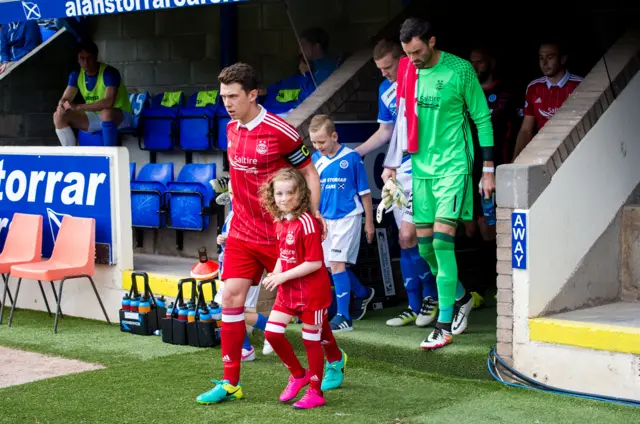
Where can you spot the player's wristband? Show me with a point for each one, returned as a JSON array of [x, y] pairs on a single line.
[[487, 154], [488, 169]]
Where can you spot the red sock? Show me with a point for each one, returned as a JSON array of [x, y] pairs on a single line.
[[331, 349], [274, 334], [315, 356], [231, 337]]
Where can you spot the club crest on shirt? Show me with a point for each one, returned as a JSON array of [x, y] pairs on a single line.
[[344, 164], [290, 239], [262, 147]]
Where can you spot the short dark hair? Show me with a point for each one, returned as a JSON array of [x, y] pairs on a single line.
[[317, 36], [88, 46], [240, 73], [562, 50], [385, 47], [416, 27]]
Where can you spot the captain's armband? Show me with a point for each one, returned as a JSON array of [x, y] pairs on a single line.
[[299, 156]]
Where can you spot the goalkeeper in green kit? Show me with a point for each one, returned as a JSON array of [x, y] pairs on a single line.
[[437, 94]]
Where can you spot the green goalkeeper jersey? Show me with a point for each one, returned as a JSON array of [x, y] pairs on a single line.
[[447, 94]]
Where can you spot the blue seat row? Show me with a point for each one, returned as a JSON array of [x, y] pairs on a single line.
[[139, 102], [160, 201], [197, 124], [167, 121]]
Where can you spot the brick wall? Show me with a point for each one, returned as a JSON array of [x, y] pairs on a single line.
[[179, 49], [29, 95], [519, 184]]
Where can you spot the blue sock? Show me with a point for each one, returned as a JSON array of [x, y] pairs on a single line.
[[356, 286], [261, 323], [460, 291], [411, 280], [427, 280], [445, 315], [109, 133], [247, 343], [343, 293]]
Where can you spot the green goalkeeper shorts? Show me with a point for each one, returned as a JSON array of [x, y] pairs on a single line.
[[446, 197]]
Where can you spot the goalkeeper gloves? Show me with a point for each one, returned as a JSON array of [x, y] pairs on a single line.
[[392, 196], [221, 187]]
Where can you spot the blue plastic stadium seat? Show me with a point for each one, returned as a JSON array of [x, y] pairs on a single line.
[[197, 121], [132, 171], [159, 122], [139, 102], [147, 195], [223, 120], [89, 139], [189, 195]]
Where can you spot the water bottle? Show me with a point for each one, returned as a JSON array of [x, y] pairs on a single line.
[[126, 303], [134, 304], [216, 314], [183, 313], [161, 302], [191, 315], [144, 307], [169, 310], [205, 315], [489, 209]]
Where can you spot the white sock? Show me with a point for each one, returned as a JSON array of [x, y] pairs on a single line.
[[66, 137]]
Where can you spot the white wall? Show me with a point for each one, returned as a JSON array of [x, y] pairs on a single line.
[[582, 200], [581, 203], [78, 298], [578, 369]]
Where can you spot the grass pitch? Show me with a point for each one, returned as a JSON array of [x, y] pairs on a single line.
[[388, 380]]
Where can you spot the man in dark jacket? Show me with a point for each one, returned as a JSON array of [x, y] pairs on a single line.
[[17, 39]]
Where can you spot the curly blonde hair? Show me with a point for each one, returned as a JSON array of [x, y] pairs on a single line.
[[267, 196]]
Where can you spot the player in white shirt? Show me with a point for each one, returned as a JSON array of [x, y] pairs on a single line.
[[418, 280], [344, 196]]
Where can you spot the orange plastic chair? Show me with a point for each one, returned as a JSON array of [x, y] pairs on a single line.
[[22, 245], [73, 257]]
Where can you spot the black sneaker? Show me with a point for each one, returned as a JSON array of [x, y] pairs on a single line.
[[360, 305]]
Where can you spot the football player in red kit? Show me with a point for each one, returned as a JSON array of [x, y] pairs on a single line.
[[303, 284], [545, 95], [260, 143]]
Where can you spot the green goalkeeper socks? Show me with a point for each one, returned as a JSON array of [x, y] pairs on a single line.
[[425, 247], [447, 278]]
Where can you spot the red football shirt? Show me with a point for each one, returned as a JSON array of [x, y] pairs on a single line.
[[257, 150], [300, 240], [544, 98]]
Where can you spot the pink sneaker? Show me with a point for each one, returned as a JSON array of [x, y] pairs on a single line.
[[311, 399], [294, 386]]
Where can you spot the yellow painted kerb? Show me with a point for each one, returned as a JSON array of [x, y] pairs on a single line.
[[164, 285], [611, 338]]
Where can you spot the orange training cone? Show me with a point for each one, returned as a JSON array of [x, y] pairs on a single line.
[[204, 269]]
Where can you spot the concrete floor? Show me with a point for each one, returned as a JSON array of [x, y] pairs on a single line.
[[625, 314], [168, 265]]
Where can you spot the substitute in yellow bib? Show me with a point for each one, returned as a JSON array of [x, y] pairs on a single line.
[[106, 106]]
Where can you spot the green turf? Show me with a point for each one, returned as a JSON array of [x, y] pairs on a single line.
[[389, 380]]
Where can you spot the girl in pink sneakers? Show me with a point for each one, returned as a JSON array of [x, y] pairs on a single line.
[[303, 284]]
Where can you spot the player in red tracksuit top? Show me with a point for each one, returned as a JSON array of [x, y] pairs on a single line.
[[304, 288], [259, 145]]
